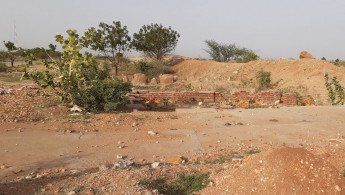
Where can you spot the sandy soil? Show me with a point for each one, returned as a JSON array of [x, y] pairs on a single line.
[[303, 76]]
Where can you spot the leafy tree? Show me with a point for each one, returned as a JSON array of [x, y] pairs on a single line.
[[111, 40], [155, 40], [226, 52], [11, 48], [323, 58], [77, 78], [52, 47]]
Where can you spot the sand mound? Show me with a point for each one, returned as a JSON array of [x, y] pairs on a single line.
[[303, 76], [281, 171]]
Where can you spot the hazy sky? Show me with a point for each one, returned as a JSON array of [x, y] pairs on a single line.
[[272, 28]]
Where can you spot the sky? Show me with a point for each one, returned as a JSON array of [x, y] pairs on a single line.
[[271, 28]]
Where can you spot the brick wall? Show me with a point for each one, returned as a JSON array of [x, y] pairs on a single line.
[[269, 97]]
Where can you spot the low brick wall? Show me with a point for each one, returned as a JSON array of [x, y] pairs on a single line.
[[269, 97]]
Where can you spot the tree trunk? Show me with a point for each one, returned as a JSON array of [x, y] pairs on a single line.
[[12, 62]]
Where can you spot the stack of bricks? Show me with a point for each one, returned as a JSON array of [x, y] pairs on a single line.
[[269, 97], [289, 99]]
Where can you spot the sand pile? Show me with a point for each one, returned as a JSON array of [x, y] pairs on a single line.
[[281, 171], [304, 76]]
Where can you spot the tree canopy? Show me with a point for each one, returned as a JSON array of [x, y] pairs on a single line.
[[155, 40]]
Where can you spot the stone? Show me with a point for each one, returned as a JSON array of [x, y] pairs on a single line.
[[153, 81], [5, 91], [175, 78], [166, 79], [71, 193], [123, 164], [148, 192], [156, 164], [119, 156], [134, 124], [151, 133], [103, 167], [305, 55], [174, 160], [139, 79], [337, 188], [76, 108]]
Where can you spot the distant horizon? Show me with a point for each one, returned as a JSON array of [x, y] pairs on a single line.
[[271, 29]]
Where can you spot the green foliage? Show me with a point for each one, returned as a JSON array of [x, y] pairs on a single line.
[[264, 79], [155, 40], [226, 52], [335, 90], [11, 48], [153, 68], [3, 67], [103, 95], [184, 185], [111, 40], [338, 62], [77, 79], [253, 152], [323, 58]]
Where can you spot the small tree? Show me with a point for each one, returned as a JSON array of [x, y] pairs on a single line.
[[77, 78], [226, 52], [11, 48], [111, 40], [155, 40]]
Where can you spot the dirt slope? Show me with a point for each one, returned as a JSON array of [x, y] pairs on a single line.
[[281, 171], [303, 76]]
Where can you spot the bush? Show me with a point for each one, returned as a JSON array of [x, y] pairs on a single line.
[[264, 79], [335, 90], [103, 95], [3, 67], [77, 79], [153, 68]]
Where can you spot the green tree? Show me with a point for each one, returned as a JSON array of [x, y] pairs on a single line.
[[155, 40], [77, 78], [111, 40], [226, 52], [11, 48]]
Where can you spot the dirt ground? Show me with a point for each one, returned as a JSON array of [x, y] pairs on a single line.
[[46, 149], [62, 142]]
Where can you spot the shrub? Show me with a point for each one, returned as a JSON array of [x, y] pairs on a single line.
[[264, 79], [335, 90], [153, 68], [184, 185], [103, 95], [77, 79], [3, 67]]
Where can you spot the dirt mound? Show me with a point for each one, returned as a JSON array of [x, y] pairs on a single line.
[[303, 76], [305, 55], [281, 171]]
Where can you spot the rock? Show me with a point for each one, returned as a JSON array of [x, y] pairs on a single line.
[[134, 124], [148, 192], [123, 164], [103, 167], [166, 79], [337, 188], [305, 55], [153, 81], [174, 160], [151, 133], [175, 78], [71, 193], [3, 167], [76, 108], [139, 79], [5, 91], [119, 156], [156, 164]]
